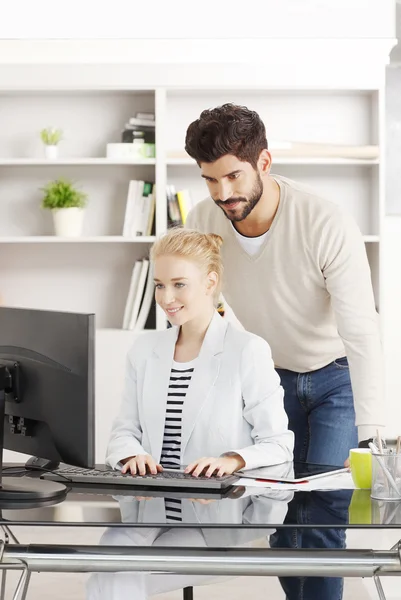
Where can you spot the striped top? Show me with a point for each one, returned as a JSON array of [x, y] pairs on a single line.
[[180, 377]]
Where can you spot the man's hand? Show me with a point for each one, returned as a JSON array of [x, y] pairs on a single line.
[[362, 444], [224, 465], [140, 465]]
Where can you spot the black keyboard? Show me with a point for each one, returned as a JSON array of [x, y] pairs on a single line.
[[169, 479]]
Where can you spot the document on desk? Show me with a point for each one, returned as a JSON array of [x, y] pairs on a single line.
[[336, 481]]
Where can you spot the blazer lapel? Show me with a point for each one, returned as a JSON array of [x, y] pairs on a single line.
[[157, 379], [152, 511], [204, 377], [155, 389]]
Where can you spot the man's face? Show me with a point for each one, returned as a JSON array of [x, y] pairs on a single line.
[[235, 186]]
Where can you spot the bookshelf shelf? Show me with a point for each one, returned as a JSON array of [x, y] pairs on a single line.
[[100, 239], [313, 161], [371, 239], [76, 162]]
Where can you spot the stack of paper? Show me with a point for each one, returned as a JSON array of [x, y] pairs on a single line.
[[337, 481]]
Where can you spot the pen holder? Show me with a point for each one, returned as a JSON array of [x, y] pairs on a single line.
[[385, 512], [386, 477]]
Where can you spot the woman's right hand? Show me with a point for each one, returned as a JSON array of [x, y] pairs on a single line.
[[141, 465]]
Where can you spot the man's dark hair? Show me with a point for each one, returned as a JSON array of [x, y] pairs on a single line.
[[227, 129]]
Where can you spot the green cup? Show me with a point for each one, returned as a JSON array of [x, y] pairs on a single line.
[[360, 508], [361, 467]]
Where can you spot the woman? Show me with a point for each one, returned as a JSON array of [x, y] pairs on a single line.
[[202, 393], [258, 509]]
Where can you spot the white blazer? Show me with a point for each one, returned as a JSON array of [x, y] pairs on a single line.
[[234, 401], [271, 506]]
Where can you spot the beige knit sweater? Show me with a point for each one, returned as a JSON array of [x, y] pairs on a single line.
[[307, 291]]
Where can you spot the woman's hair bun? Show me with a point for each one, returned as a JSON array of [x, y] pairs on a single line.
[[215, 239]]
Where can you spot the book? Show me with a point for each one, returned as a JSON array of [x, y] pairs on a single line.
[[146, 206], [136, 225], [134, 220], [184, 203], [130, 208], [142, 208], [146, 123], [146, 301], [152, 209], [173, 212], [139, 293], [145, 116], [132, 293]]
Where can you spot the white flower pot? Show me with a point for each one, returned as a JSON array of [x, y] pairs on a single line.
[[68, 222], [51, 152]]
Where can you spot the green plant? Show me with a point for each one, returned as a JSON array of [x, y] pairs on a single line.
[[62, 194], [51, 136]]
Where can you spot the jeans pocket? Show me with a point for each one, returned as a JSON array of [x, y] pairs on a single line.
[[341, 363]]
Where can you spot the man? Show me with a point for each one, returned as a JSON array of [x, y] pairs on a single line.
[[296, 273]]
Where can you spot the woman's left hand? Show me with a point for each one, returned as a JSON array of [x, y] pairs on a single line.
[[224, 465]]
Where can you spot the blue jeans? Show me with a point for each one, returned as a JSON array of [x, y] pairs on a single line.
[[320, 409]]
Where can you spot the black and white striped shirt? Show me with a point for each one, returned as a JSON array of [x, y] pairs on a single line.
[[180, 378]]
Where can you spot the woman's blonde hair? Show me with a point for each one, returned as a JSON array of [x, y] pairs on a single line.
[[203, 248]]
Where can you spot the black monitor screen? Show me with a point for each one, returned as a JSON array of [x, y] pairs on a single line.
[[52, 414]]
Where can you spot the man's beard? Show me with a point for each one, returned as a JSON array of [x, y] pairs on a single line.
[[248, 204]]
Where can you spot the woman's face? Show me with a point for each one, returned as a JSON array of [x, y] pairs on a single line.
[[183, 290]]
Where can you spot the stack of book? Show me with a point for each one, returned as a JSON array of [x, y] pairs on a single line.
[[140, 308], [140, 209], [140, 131], [137, 139], [179, 203], [140, 128]]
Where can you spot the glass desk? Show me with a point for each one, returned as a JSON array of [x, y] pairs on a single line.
[[190, 535]]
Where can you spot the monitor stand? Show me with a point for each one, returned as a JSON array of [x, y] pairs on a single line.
[[23, 492]]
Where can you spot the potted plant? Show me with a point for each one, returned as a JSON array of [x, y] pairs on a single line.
[[51, 137], [67, 205]]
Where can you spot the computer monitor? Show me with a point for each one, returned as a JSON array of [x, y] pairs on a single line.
[[46, 391]]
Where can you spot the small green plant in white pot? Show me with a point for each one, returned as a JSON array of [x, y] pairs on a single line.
[[67, 205], [51, 137]]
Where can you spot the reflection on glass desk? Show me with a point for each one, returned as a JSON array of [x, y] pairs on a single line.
[[235, 534], [243, 507]]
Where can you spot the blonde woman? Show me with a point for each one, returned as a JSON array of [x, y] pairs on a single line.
[[202, 393]]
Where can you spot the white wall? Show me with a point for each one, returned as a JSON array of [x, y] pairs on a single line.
[[391, 321], [224, 19]]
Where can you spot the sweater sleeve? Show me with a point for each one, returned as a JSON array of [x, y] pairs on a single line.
[[346, 271]]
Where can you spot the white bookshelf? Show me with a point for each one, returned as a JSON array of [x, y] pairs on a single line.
[[87, 274], [92, 273]]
